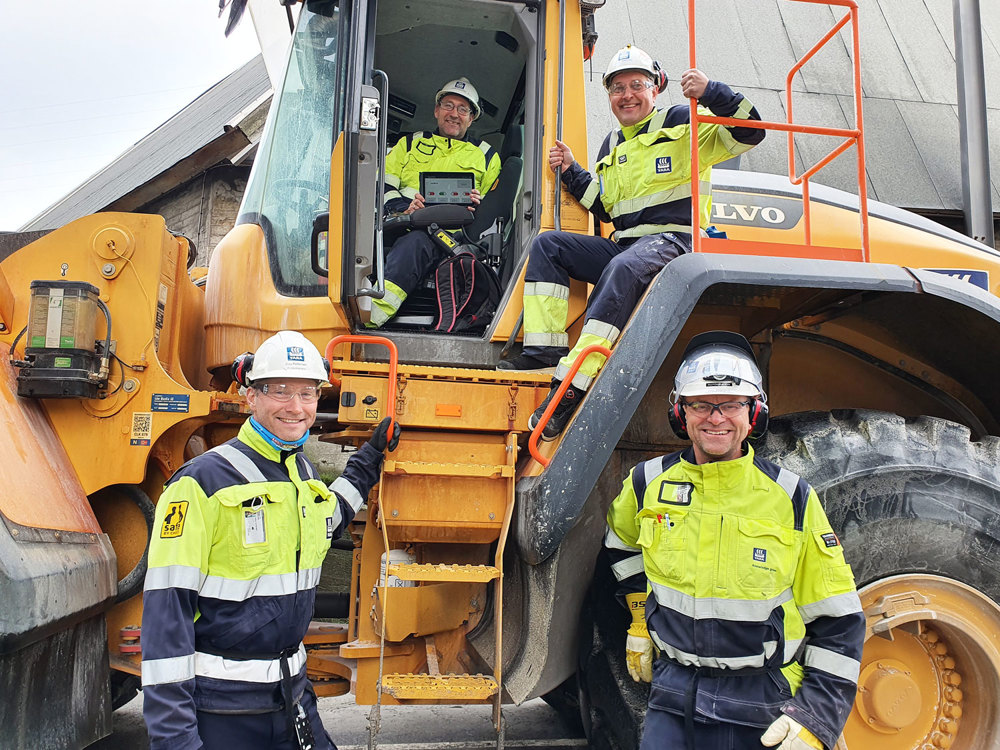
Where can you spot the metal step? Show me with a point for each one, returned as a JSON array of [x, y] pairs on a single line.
[[443, 572], [439, 687], [436, 469]]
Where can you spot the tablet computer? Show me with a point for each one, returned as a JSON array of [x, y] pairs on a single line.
[[447, 187]]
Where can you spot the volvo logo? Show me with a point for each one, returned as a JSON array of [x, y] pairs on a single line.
[[755, 210]]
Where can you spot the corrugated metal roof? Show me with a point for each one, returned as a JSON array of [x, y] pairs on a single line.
[[195, 126], [908, 81]]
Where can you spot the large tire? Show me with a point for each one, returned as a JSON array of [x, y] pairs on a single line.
[[905, 495], [917, 507], [609, 705], [124, 687]]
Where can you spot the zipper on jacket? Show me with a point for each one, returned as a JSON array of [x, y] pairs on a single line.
[[719, 547]]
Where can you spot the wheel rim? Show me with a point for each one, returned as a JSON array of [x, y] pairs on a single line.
[[930, 672]]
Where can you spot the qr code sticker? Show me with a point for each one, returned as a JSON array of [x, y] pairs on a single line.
[[142, 428]]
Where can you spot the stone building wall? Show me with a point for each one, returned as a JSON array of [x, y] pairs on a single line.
[[203, 209]]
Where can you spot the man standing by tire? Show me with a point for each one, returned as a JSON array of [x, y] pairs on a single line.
[[729, 566], [238, 542], [642, 184]]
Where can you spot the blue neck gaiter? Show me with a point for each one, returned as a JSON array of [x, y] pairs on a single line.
[[281, 445]]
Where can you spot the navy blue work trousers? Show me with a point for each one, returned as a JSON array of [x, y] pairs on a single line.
[[411, 258], [665, 731], [620, 273], [268, 731]]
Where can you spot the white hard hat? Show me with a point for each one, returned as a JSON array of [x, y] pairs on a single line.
[[718, 363], [632, 58], [288, 354], [463, 88]]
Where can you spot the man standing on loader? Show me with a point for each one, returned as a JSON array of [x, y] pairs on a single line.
[[234, 559], [729, 565], [641, 184], [450, 149]]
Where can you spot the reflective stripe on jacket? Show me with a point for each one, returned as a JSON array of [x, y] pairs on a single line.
[[744, 571], [238, 542], [642, 178], [429, 152]]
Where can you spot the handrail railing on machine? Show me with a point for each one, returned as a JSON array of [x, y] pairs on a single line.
[[390, 409], [853, 136]]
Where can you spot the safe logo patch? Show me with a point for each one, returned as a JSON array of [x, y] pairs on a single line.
[[663, 165], [296, 354], [759, 554], [173, 522]]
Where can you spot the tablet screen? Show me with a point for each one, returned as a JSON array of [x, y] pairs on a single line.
[[447, 187]]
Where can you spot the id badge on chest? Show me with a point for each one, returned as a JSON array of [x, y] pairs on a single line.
[[254, 531]]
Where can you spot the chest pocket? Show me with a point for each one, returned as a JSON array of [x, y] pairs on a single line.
[[427, 156], [249, 523], [644, 165], [766, 556], [665, 541]]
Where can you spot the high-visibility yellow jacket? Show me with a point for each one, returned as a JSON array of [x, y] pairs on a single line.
[[743, 572], [238, 542], [642, 179], [429, 152]]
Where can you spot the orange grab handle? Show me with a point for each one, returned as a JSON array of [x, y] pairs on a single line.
[[351, 338], [554, 401]]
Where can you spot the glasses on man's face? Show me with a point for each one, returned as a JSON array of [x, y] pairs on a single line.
[[284, 393], [706, 409], [636, 87], [452, 107]]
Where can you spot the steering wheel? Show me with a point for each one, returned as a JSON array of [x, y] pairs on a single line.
[[287, 184]]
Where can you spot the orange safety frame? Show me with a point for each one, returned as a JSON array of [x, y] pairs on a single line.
[[557, 397], [350, 338], [852, 137]]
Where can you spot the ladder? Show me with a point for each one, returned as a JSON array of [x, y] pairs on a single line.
[[445, 498]]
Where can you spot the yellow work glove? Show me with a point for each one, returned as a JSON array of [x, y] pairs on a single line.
[[791, 735], [638, 646]]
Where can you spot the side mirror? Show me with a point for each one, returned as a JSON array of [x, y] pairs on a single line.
[[319, 245]]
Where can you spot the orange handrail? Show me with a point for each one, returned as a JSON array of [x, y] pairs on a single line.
[[351, 338], [554, 401], [852, 136]]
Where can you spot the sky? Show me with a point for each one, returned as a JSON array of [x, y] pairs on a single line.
[[81, 81]]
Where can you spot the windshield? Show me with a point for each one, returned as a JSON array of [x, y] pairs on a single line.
[[289, 184]]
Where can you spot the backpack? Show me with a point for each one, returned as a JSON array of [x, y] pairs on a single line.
[[468, 293]]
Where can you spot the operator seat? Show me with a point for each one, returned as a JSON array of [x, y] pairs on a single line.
[[500, 202]]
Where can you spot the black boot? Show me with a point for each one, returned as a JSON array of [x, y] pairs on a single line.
[[561, 416]]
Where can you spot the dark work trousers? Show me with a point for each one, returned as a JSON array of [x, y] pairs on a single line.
[[665, 731], [411, 258], [620, 273], [268, 731]]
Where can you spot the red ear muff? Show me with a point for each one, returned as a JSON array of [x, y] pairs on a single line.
[[758, 419], [659, 77], [678, 423], [241, 368]]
